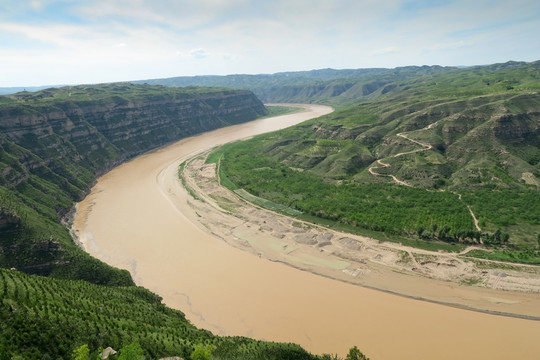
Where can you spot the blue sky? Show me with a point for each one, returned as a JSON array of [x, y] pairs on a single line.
[[48, 42]]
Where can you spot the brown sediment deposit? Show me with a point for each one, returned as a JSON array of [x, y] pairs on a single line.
[[238, 271]]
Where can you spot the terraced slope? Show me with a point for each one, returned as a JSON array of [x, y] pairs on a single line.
[[453, 157]]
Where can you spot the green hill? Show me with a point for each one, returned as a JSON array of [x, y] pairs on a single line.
[[410, 163], [459, 141]]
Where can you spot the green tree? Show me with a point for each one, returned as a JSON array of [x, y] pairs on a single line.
[[4, 354], [132, 351], [330, 357], [355, 354], [202, 352], [96, 355], [81, 353]]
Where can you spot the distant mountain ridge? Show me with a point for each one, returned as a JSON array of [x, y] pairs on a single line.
[[336, 87], [258, 82], [330, 86], [16, 89]]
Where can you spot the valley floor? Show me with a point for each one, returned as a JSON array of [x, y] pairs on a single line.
[[139, 217], [443, 277]]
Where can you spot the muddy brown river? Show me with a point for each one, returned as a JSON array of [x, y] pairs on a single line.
[[129, 221]]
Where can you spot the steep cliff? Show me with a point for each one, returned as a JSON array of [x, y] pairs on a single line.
[[55, 142]]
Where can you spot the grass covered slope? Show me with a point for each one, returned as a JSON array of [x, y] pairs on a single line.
[[46, 318], [417, 161], [55, 142]]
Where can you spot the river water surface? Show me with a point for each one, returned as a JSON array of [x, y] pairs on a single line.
[[129, 222]]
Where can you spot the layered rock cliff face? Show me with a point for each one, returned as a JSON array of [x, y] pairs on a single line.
[[99, 131], [55, 142]]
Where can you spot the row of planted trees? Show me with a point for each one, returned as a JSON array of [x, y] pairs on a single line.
[[46, 318], [468, 236], [134, 351], [373, 206]]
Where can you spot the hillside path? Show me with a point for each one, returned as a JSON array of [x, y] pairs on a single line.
[[425, 147]]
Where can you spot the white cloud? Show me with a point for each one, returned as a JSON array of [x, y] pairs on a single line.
[[385, 50], [450, 45], [198, 53], [36, 4], [121, 39], [179, 14], [194, 54]]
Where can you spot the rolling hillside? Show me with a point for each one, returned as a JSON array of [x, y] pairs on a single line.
[[422, 160], [53, 145], [439, 155]]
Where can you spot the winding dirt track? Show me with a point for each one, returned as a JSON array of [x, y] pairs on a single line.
[[425, 147], [129, 222]]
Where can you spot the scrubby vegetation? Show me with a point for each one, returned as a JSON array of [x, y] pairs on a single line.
[[350, 86], [460, 139], [35, 241], [329, 86], [278, 110]]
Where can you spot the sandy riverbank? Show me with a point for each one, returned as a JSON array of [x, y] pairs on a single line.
[[432, 276], [138, 217]]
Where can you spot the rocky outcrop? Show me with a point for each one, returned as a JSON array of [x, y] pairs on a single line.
[[517, 127], [8, 219]]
